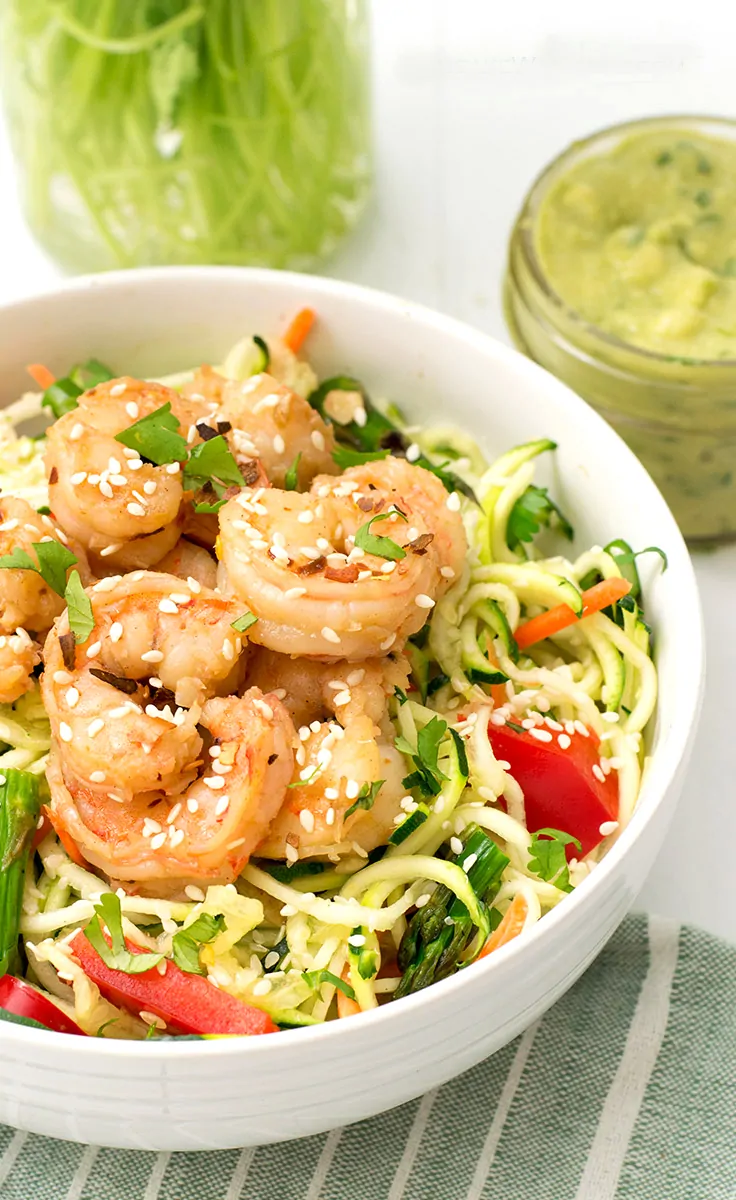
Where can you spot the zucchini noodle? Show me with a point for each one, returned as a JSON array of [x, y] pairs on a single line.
[[301, 943]]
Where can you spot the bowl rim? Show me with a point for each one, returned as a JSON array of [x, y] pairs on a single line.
[[658, 776]]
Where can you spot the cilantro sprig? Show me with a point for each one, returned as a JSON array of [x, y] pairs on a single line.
[[116, 954], [548, 859], [533, 511], [185, 945], [290, 479], [81, 617], [366, 797], [427, 775], [53, 564], [382, 547]]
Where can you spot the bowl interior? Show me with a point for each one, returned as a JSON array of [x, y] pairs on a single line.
[[437, 370]]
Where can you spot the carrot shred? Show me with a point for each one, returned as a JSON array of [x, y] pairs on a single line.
[[65, 838], [551, 622], [498, 690], [41, 375], [510, 927], [296, 334], [345, 1006]]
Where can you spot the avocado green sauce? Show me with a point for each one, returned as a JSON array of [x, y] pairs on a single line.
[[640, 240]]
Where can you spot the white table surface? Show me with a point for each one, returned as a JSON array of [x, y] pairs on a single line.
[[471, 99]]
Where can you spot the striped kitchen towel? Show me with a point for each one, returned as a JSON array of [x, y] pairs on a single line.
[[626, 1090]]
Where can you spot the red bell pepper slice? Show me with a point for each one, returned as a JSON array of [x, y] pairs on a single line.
[[560, 789], [187, 1003], [22, 1000]]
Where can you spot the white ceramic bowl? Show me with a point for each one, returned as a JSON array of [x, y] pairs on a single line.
[[223, 1094]]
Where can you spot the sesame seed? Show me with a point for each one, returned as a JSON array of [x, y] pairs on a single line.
[[323, 544], [423, 601], [135, 509], [352, 788], [72, 697], [76, 432], [542, 735], [221, 768], [331, 793], [173, 814], [469, 862], [279, 444], [413, 452], [263, 708], [611, 717], [168, 606], [135, 464], [94, 650], [149, 487], [318, 440], [195, 893], [598, 773], [388, 642], [172, 468], [294, 593], [305, 517], [315, 726], [329, 635], [580, 728], [118, 389], [194, 585], [608, 827], [97, 777], [78, 477], [62, 677], [105, 489], [65, 732], [95, 727], [388, 568], [360, 416], [132, 409], [292, 854], [453, 502], [306, 820], [176, 836], [422, 900], [192, 805], [158, 841], [152, 656], [111, 549], [116, 631], [342, 698], [222, 805]]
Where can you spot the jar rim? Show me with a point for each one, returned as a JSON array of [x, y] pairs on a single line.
[[539, 187]]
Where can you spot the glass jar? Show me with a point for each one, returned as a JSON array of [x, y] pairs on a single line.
[[678, 415], [188, 131]]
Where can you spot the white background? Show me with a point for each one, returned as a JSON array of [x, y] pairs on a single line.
[[471, 98]]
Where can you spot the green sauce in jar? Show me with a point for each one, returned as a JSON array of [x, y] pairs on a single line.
[[621, 281], [641, 241]]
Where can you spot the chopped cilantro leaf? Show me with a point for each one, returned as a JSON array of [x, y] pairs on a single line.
[[345, 457], [210, 462], [366, 797], [54, 560], [116, 955], [81, 618], [382, 547], [533, 510], [400, 696], [548, 859], [156, 437], [186, 943], [427, 776]]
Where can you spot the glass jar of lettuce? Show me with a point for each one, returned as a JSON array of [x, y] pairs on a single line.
[[188, 131], [621, 280]]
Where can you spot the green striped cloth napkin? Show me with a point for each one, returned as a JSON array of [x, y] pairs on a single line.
[[626, 1090]]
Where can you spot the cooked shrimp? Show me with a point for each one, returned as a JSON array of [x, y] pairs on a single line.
[[19, 655], [269, 422], [346, 745], [124, 706], [27, 603], [292, 559], [126, 511], [189, 561], [207, 831]]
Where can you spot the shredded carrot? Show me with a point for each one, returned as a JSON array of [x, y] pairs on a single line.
[[345, 1006], [297, 332], [498, 690], [65, 838], [40, 375], [551, 622], [43, 827], [510, 927]]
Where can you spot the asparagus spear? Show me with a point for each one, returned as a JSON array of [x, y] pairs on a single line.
[[19, 810], [438, 934]]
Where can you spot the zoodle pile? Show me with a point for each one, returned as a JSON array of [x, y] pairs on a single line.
[[302, 708]]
